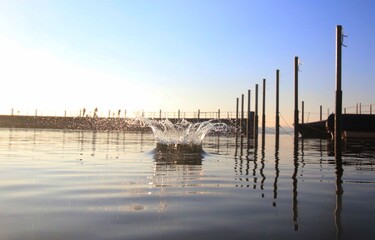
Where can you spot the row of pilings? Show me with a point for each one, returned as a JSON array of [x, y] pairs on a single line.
[[249, 126]]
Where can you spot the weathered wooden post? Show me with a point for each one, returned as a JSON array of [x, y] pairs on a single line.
[[264, 108], [178, 114], [160, 114], [277, 120], [370, 108], [338, 107], [242, 113], [321, 113], [303, 112], [218, 114], [296, 97], [248, 127], [236, 123], [360, 108], [256, 120], [199, 115]]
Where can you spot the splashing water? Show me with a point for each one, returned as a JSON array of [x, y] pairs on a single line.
[[183, 135]]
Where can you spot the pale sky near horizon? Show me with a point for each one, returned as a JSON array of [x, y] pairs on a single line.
[[154, 54]]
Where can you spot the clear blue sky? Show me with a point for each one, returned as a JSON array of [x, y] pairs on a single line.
[[188, 55]]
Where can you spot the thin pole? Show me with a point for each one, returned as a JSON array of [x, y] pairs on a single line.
[[296, 97], [237, 102], [264, 107], [338, 110], [370, 108], [360, 108], [199, 115], [303, 112], [321, 113], [160, 114], [242, 114], [256, 111], [248, 113], [277, 120], [218, 114], [178, 114]]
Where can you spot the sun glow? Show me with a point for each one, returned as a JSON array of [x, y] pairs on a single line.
[[35, 79]]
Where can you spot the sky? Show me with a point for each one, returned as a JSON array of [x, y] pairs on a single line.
[[58, 56]]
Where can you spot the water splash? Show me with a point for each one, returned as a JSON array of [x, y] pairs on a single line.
[[182, 136]]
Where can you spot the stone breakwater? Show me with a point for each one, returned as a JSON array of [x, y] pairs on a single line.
[[80, 123]]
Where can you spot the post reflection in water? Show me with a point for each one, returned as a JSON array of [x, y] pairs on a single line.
[[295, 183], [262, 164], [339, 194], [277, 171]]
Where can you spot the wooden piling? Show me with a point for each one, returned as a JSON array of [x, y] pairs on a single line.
[[370, 108], [236, 124], [264, 108], [321, 113], [277, 120], [338, 107], [248, 127], [303, 112], [199, 115], [296, 97], [178, 115], [218, 114], [256, 120], [242, 114]]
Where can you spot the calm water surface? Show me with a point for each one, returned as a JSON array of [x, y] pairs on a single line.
[[110, 185]]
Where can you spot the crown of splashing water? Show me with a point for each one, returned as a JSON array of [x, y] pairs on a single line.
[[183, 132]]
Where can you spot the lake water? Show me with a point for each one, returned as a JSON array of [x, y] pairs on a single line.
[[58, 184]]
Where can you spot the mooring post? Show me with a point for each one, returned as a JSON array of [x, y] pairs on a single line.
[[236, 123], [370, 108], [242, 113], [338, 107], [178, 114], [277, 120], [264, 108], [256, 120], [356, 108], [360, 108], [248, 128], [321, 113], [199, 115], [218, 114], [296, 97], [303, 112]]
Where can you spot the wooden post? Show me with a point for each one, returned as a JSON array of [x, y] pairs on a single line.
[[199, 115], [256, 120], [338, 107], [277, 120], [327, 112], [296, 97], [370, 108], [321, 113], [303, 112], [242, 114], [248, 128], [360, 108], [160, 114], [236, 125], [345, 110], [218, 114], [264, 108], [178, 114]]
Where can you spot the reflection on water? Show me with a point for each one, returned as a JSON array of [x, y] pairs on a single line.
[[115, 185]]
